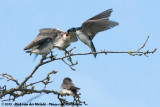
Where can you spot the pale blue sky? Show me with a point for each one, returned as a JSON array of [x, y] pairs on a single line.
[[115, 80]]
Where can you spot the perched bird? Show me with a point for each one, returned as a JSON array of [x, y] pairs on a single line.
[[91, 27], [48, 39], [68, 87]]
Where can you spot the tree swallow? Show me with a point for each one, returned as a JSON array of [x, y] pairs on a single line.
[[91, 27], [68, 87], [48, 39]]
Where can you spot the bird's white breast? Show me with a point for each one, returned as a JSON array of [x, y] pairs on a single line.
[[66, 91], [84, 38], [62, 44]]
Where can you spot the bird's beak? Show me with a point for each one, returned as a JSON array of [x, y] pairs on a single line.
[[67, 35]]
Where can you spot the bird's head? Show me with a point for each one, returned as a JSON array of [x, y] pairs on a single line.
[[73, 29], [65, 36], [67, 79], [73, 34]]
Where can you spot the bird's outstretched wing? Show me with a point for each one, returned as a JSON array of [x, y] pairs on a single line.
[[46, 33], [105, 14], [98, 23], [92, 27]]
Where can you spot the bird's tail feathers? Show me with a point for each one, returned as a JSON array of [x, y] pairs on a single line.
[[29, 52], [93, 48], [75, 95], [35, 56]]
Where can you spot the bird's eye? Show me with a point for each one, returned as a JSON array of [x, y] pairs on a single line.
[[67, 34]]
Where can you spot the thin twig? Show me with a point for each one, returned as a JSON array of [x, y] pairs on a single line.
[[68, 64], [9, 77], [143, 44]]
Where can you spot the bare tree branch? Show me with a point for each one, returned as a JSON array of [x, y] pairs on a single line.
[[143, 44], [22, 89], [9, 77], [70, 65], [26, 79]]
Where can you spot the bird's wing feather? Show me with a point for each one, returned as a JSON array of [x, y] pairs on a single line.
[[50, 30], [40, 38], [92, 27], [74, 88], [105, 14], [98, 23], [43, 35]]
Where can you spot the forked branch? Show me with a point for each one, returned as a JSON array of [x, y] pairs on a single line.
[[23, 89]]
